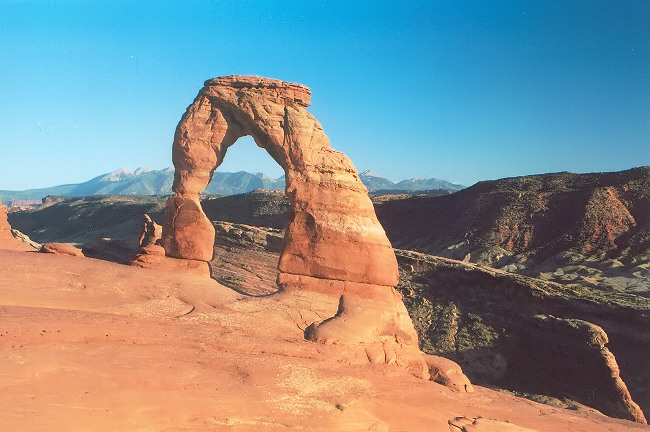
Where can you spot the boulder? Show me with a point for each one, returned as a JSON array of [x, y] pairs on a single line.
[[151, 232], [448, 373], [61, 249]]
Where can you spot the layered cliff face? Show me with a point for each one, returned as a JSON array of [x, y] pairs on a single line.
[[530, 335], [536, 225]]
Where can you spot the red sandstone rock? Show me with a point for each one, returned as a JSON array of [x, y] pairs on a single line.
[[174, 265], [332, 231], [151, 232], [93, 345], [61, 249], [377, 319], [187, 232], [333, 241], [5, 228], [152, 250], [448, 373], [479, 424], [7, 239]]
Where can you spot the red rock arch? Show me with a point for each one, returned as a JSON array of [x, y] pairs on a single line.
[[332, 231]]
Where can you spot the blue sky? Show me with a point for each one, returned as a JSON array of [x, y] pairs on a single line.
[[462, 90]]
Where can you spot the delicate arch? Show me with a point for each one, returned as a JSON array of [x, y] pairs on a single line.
[[332, 230]]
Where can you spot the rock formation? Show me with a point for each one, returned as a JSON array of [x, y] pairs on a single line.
[[332, 230], [7, 238], [150, 237], [61, 249], [580, 348], [333, 241], [531, 336], [448, 373], [151, 232], [152, 255], [5, 228]]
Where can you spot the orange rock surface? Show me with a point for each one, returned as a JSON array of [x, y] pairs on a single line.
[[92, 345], [332, 230], [7, 240]]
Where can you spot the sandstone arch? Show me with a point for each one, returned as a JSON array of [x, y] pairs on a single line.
[[332, 231], [333, 242]]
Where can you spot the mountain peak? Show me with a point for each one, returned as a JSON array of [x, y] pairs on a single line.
[[142, 170], [117, 175], [368, 173]]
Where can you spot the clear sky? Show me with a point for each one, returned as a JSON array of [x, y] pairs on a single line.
[[459, 90]]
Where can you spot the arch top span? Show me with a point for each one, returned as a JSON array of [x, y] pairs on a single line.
[[332, 231], [295, 93]]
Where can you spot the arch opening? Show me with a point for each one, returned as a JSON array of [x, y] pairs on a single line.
[[246, 155]]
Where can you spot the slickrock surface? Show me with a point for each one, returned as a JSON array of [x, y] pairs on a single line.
[[480, 317], [161, 262], [93, 345]]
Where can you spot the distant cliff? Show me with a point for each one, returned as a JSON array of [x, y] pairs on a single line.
[[535, 224]]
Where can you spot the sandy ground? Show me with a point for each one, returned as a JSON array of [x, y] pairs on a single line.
[[92, 345]]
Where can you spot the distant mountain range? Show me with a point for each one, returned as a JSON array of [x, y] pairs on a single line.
[[375, 183], [146, 181]]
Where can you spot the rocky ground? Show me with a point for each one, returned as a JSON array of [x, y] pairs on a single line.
[[482, 317], [93, 344]]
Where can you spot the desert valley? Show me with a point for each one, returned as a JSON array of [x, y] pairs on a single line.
[[520, 304]]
